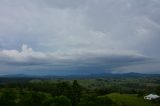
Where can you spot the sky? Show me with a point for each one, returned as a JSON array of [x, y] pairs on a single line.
[[63, 37]]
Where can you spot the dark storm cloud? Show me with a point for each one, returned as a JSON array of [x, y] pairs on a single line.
[[85, 62]]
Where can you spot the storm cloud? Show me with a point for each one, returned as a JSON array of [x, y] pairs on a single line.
[[82, 36]]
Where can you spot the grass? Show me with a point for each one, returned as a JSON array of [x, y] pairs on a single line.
[[129, 100]]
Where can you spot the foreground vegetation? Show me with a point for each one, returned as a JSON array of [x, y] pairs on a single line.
[[79, 92]]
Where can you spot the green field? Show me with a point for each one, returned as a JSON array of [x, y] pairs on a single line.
[[129, 100]]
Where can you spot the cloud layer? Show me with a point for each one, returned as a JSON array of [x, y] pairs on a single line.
[[87, 36]]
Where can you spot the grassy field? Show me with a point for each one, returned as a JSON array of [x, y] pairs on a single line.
[[129, 100]]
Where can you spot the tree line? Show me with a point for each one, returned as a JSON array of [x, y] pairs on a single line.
[[49, 94]]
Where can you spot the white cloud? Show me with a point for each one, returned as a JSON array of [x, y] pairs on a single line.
[[26, 54]]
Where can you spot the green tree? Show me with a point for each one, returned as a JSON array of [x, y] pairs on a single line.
[[88, 100], [158, 90], [8, 98], [48, 102], [76, 93], [63, 89], [93, 100], [61, 101], [32, 99], [104, 101]]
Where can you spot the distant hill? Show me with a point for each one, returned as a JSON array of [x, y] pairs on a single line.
[[101, 75]]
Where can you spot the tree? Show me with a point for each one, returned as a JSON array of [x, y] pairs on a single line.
[[93, 100], [8, 98], [48, 102], [61, 101], [158, 90], [63, 89], [104, 101], [76, 93], [32, 99], [88, 100]]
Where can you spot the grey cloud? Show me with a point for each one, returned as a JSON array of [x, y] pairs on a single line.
[[80, 34], [88, 61], [65, 3], [124, 20], [147, 67]]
